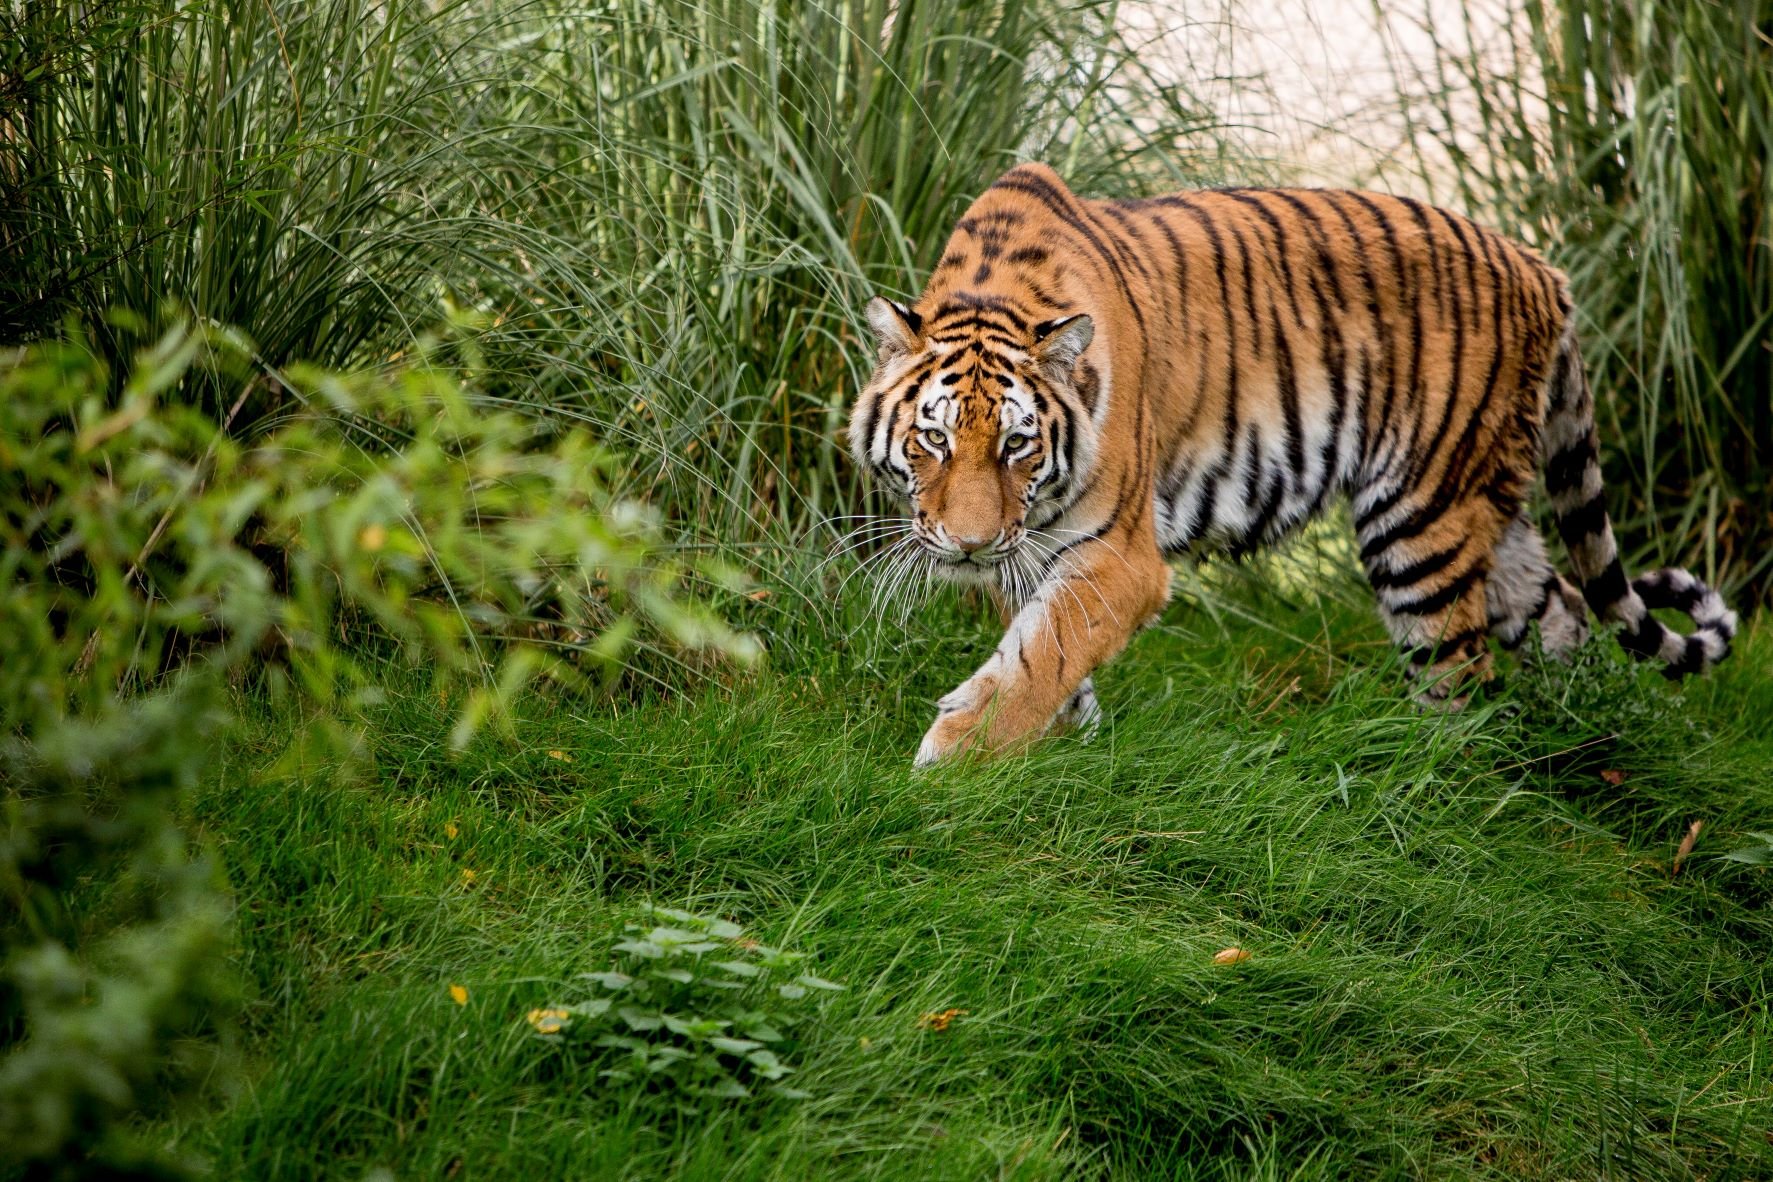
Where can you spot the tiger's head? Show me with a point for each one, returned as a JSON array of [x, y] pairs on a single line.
[[982, 424]]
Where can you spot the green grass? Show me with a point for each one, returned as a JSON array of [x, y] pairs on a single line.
[[1470, 953], [1470, 956]]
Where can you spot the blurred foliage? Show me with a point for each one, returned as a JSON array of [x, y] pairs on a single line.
[[148, 559], [1634, 142]]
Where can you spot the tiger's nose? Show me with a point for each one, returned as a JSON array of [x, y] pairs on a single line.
[[969, 545]]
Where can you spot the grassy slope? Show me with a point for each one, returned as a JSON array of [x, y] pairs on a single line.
[[1470, 957]]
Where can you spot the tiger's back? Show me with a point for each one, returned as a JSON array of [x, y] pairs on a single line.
[[1257, 352]]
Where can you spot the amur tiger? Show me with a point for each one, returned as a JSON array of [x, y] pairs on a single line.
[[1087, 386]]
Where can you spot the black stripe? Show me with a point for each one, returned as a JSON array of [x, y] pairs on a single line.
[[1389, 233], [1453, 646], [1286, 382], [909, 386], [1202, 518], [1434, 601], [1419, 212], [1274, 492], [1657, 593], [1606, 588], [1038, 188], [1646, 641], [1320, 244], [1586, 520], [1283, 262], [1414, 572], [1360, 250], [1179, 260], [1692, 660], [1248, 268], [1566, 468], [1334, 359]]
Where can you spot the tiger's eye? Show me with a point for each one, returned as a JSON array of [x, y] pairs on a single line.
[[935, 440], [1016, 443]]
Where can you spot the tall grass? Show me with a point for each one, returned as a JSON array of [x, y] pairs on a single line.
[[1633, 141], [668, 213]]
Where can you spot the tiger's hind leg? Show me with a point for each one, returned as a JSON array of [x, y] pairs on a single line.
[[1431, 587], [1523, 587]]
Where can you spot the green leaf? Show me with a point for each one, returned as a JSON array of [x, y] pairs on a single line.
[[644, 948], [596, 1007], [812, 982], [695, 1027], [609, 980], [710, 924], [791, 990], [672, 937], [772, 958], [733, 1046], [665, 1058], [766, 1064], [681, 976], [1753, 855], [622, 1042], [639, 1019], [738, 967]]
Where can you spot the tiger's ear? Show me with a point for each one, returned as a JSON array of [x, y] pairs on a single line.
[[1060, 342], [896, 327]]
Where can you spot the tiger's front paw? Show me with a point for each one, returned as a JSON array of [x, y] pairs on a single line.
[[960, 716]]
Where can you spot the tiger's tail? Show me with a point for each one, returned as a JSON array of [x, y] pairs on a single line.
[[1573, 481]]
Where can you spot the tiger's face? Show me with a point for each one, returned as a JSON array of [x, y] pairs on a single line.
[[981, 425]]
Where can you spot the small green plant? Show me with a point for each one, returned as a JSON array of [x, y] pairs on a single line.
[[691, 1007]]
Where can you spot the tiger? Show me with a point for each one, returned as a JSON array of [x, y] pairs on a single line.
[[1089, 388]]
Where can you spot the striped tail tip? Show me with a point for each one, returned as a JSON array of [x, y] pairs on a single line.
[[1714, 624]]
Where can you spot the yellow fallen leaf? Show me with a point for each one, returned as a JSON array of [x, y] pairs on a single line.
[[549, 1021], [451, 831], [1230, 956], [759, 595], [939, 1020], [562, 756], [373, 537], [459, 994], [468, 877]]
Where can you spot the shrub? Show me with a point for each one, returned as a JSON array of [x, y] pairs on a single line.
[[145, 559]]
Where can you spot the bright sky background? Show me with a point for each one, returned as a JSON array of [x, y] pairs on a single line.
[[1315, 81]]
